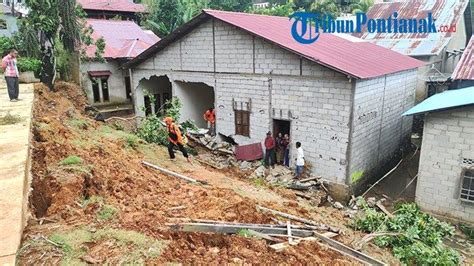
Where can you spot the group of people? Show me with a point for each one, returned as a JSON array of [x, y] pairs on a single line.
[[277, 151]]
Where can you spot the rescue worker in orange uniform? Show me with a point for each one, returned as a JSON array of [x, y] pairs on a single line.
[[175, 138], [210, 117]]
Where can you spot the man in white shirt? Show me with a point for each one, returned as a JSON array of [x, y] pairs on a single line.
[[299, 159]]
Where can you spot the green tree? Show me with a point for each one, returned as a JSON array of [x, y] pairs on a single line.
[[362, 6], [230, 5], [58, 28], [326, 7], [276, 9], [167, 15]]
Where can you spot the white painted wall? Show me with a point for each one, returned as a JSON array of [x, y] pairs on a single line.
[[116, 81]]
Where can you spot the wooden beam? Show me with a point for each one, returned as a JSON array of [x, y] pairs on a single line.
[[262, 236], [384, 210], [171, 173], [317, 226], [234, 229]]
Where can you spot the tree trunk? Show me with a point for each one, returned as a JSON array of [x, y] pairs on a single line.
[[75, 68]]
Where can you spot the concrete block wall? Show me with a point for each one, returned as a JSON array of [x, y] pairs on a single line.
[[378, 129], [116, 81], [448, 139], [320, 111]]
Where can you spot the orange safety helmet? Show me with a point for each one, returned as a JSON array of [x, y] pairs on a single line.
[[168, 120]]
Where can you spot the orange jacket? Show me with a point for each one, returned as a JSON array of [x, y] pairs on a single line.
[[210, 116], [174, 134]]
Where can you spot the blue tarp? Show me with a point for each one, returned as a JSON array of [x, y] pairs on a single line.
[[444, 100]]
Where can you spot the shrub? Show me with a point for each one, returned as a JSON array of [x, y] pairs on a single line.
[[420, 235], [29, 64], [6, 44]]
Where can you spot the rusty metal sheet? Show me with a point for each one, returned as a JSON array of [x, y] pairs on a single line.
[[446, 12], [465, 68]]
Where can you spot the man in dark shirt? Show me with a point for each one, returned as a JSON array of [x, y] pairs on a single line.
[[269, 150]]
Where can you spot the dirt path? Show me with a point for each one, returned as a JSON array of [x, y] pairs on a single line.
[[213, 177]]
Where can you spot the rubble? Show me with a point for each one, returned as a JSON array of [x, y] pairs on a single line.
[[338, 205]]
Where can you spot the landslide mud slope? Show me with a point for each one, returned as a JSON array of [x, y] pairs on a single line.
[[94, 202]]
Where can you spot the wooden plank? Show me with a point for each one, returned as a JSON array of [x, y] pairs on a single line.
[[234, 229], [310, 179], [330, 234], [171, 173], [262, 236], [317, 226], [384, 210], [341, 248]]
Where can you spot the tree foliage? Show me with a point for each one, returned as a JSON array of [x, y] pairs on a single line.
[[275, 9], [326, 7], [54, 29], [420, 236], [362, 6]]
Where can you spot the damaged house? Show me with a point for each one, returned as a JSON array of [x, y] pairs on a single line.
[[105, 82], [343, 100]]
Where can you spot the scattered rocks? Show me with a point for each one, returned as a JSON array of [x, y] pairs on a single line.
[[338, 205]]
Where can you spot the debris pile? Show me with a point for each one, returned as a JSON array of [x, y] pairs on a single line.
[[211, 143]]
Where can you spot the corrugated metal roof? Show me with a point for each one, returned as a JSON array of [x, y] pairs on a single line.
[[112, 5], [446, 12], [465, 68], [356, 59], [445, 100], [123, 39]]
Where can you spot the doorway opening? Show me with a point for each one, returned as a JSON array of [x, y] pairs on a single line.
[[281, 126]]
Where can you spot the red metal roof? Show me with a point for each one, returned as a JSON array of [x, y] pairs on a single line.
[[357, 59], [465, 68], [112, 5], [446, 12], [123, 39]]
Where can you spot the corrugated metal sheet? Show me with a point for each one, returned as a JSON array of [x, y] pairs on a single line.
[[446, 12], [112, 5], [356, 59], [445, 100], [123, 39], [465, 68]]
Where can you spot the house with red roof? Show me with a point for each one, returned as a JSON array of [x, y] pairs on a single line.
[[341, 99], [107, 9], [105, 81]]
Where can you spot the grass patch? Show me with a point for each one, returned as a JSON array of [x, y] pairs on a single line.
[[260, 182], [244, 233], [130, 140], [134, 246], [10, 119], [468, 231], [71, 160], [78, 123], [106, 212], [91, 200], [42, 126]]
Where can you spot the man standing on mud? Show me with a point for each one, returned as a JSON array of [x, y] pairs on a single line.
[[10, 70], [175, 138]]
